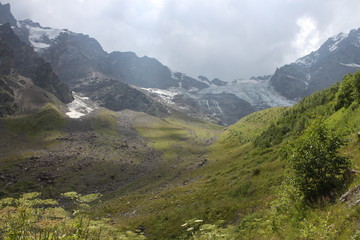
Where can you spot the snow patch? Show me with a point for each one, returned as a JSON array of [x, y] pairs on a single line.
[[218, 107], [81, 106], [207, 104], [39, 45], [258, 93], [164, 95], [40, 37], [337, 39], [307, 61], [354, 65]]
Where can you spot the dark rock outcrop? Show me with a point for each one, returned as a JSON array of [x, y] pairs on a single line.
[[26, 62], [189, 83], [74, 56], [118, 96], [218, 82], [6, 16], [140, 71]]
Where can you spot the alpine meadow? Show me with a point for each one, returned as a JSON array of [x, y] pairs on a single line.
[[103, 145]]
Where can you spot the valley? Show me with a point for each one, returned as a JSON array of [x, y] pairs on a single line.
[[98, 145]]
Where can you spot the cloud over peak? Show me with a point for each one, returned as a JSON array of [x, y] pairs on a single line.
[[218, 38]]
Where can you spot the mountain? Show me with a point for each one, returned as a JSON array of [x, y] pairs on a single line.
[[6, 16], [20, 57], [172, 176], [119, 80], [117, 96], [19, 94], [219, 108], [338, 56], [76, 57]]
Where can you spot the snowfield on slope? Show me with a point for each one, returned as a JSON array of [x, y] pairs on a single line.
[[81, 106], [258, 93]]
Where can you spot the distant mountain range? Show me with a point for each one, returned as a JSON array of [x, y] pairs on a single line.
[[122, 80]]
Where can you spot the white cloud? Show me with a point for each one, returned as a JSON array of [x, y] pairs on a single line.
[[308, 37], [217, 38]]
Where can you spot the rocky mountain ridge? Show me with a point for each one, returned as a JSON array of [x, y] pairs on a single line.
[[338, 56], [19, 57], [76, 57]]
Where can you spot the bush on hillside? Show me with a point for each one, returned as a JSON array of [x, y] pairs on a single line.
[[319, 170], [349, 91]]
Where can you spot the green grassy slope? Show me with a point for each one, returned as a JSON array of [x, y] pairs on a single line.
[[158, 174], [245, 170]]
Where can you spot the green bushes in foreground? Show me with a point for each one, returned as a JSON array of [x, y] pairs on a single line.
[[32, 218]]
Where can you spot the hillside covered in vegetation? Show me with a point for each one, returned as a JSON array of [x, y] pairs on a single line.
[[281, 173]]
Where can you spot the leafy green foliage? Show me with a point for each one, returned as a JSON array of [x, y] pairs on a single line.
[[296, 118], [249, 127], [32, 218], [290, 218], [210, 231], [287, 207], [319, 170], [349, 91]]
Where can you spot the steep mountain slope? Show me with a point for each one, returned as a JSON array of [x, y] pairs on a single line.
[[76, 58], [338, 56], [21, 58], [140, 71], [117, 96], [6, 16]]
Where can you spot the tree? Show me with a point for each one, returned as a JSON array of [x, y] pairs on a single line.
[[319, 170], [349, 90]]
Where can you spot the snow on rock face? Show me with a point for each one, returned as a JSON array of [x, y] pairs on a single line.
[[165, 95], [307, 61], [41, 37], [337, 39], [81, 106], [257, 92], [354, 65]]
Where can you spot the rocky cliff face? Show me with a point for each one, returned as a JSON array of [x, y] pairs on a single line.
[[140, 71], [17, 93], [27, 63], [71, 55], [117, 96], [338, 56], [223, 109], [74, 56], [6, 16]]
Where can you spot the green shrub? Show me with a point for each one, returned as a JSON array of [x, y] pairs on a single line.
[[319, 170], [32, 218]]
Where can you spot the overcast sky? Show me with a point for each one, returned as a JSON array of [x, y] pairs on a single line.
[[228, 39]]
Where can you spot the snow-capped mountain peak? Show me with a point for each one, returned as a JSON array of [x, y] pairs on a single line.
[[338, 56]]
